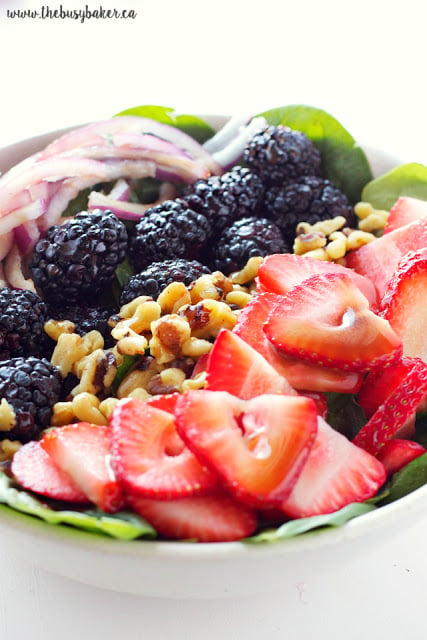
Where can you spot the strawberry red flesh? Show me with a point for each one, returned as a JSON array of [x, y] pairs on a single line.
[[257, 447], [148, 456], [82, 450], [404, 211], [236, 367], [336, 474], [35, 470], [397, 453], [301, 375], [397, 408], [212, 518], [279, 273], [404, 303], [326, 320]]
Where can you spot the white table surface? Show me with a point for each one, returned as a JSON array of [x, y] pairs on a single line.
[[366, 65]]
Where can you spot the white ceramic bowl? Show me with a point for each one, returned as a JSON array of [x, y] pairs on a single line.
[[191, 570]]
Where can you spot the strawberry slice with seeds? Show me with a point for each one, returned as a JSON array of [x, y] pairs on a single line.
[[82, 450], [397, 453], [236, 367], [257, 447], [212, 518], [393, 413], [404, 305], [278, 273], [335, 474], [35, 470], [378, 259], [303, 376], [149, 457], [327, 320], [404, 211]]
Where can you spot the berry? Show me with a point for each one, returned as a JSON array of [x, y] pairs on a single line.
[[397, 453], [301, 375], [82, 451], [336, 474], [244, 239], [75, 261], [22, 317], [378, 260], [234, 366], [404, 211], [213, 518], [154, 278], [149, 457], [327, 320], [85, 319], [236, 194], [31, 386], [168, 231], [35, 470], [308, 199], [279, 273], [256, 447], [400, 405], [279, 154], [404, 303]]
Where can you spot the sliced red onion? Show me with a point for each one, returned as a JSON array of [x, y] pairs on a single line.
[[98, 133], [123, 210], [26, 236], [6, 241], [120, 191], [3, 281], [227, 133], [13, 271], [228, 155]]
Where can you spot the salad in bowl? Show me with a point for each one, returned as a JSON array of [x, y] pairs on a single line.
[[211, 329]]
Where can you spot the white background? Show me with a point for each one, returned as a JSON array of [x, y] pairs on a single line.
[[364, 62]]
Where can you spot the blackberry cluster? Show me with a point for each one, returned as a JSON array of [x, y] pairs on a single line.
[[309, 199], [236, 194], [31, 386], [22, 317], [245, 239], [75, 261], [154, 278], [86, 318], [280, 154], [170, 230]]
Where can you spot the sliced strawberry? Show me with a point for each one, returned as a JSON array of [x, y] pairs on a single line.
[[278, 273], [257, 447], [393, 413], [148, 456], [326, 320], [301, 375], [35, 470], [82, 450], [378, 259], [236, 367], [397, 453], [336, 474], [404, 303], [404, 211], [213, 518]]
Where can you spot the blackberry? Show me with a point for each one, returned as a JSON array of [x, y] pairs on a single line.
[[244, 239], [31, 386], [75, 261], [152, 280], [167, 231], [280, 154], [310, 199], [86, 319], [22, 317], [223, 199]]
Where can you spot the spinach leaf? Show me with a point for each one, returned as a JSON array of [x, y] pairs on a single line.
[[343, 161], [410, 477], [406, 180], [123, 525], [192, 125]]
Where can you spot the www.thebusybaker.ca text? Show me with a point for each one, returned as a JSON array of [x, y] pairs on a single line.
[[47, 13]]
